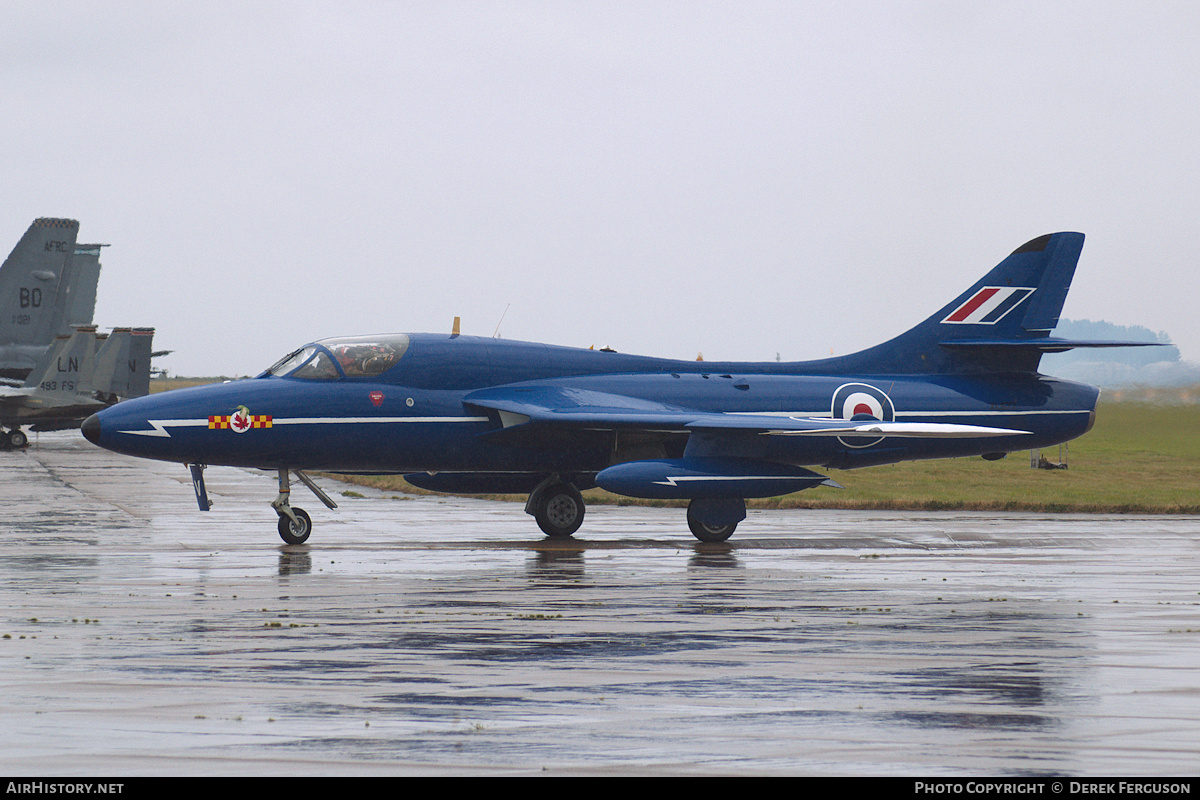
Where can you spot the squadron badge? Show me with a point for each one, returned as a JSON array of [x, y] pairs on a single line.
[[239, 421]]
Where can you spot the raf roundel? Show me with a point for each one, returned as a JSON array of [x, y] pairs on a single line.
[[852, 400]]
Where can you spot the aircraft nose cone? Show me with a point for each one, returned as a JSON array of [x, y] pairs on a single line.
[[91, 429]]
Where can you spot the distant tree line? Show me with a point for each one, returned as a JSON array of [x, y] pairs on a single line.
[[1133, 356]]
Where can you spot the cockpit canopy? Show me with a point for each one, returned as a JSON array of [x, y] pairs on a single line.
[[350, 357]]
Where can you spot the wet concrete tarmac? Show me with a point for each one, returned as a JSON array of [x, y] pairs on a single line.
[[445, 636]]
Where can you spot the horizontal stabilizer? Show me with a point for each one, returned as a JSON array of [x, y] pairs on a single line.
[[1045, 344]]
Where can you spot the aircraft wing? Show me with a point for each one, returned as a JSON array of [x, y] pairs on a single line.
[[587, 409]]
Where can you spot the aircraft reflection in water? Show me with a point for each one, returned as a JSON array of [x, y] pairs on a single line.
[[470, 415]]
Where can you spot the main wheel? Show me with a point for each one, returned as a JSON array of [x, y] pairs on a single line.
[[15, 439], [295, 532], [709, 533], [560, 511]]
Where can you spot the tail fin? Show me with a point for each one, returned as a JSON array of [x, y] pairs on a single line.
[[34, 283], [1001, 324], [107, 367], [123, 364], [68, 365], [110, 357], [81, 296]]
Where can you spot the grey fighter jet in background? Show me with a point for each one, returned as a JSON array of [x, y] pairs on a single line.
[[47, 284], [77, 376]]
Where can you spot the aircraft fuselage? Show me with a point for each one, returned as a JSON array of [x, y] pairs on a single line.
[[419, 416]]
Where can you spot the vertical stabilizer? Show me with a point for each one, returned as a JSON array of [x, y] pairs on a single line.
[[82, 295], [34, 283], [111, 356], [999, 324], [69, 364], [123, 363], [43, 365], [140, 348]]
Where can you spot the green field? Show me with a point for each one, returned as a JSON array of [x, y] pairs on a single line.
[[1140, 457]]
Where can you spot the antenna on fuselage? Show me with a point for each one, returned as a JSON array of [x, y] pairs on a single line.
[[496, 333], [454, 330]]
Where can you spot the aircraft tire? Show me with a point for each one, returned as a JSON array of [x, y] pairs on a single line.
[[709, 533], [295, 532], [560, 511], [17, 439]]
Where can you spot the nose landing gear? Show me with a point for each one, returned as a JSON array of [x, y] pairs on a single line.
[[294, 523]]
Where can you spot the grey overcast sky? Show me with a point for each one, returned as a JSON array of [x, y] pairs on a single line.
[[739, 179]]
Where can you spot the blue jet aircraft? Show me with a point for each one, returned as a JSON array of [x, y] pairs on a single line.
[[468, 415]]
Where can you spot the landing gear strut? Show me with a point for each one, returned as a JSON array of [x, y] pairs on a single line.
[[557, 506], [294, 523]]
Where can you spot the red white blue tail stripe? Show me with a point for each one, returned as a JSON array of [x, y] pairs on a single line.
[[988, 306]]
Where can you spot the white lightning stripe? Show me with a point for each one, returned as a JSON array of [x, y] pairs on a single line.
[[670, 481], [160, 425]]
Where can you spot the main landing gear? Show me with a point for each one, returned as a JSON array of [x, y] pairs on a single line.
[[715, 520], [557, 506], [14, 439]]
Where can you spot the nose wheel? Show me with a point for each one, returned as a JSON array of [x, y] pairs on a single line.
[[294, 523], [295, 529]]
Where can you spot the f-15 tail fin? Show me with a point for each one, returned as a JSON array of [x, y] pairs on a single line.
[[123, 363], [81, 295], [47, 284], [68, 365], [33, 302], [109, 368], [1001, 324]]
